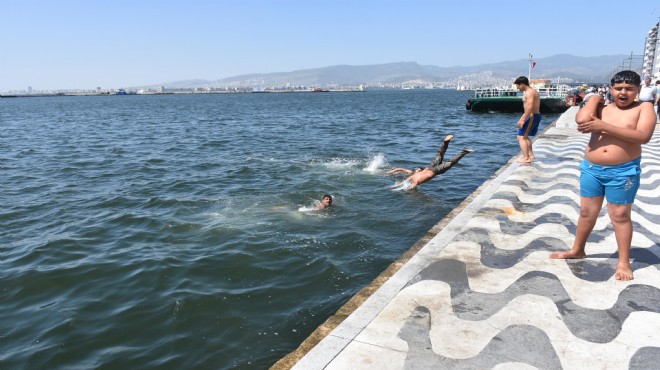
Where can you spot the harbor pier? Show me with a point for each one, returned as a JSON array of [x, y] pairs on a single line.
[[479, 291]]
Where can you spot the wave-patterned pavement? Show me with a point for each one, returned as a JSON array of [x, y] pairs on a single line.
[[483, 293]]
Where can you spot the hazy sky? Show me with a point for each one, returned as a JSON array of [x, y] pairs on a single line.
[[68, 44]]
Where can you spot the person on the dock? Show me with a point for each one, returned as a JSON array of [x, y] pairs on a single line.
[[648, 92], [326, 202], [591, 92], [611, 166], [657, 98], [421, 175], [608, 95], [528, 124]]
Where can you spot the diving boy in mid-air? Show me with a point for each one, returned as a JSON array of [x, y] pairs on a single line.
[[437, 166], [611, 166]]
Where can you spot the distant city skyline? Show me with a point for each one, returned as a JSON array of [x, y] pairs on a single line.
[[84, 45]]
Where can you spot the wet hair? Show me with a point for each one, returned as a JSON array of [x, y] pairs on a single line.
[[327, 196], [522, 80], [627, 77]]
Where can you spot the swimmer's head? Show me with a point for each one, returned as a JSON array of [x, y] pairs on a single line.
[[327, 200]]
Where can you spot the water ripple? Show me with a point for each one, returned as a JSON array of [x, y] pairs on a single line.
[[165, 231]]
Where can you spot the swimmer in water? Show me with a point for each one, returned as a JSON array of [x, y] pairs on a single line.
[[326, 202], [421, 175]]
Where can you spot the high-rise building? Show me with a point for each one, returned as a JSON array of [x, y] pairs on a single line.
[[651, 64]]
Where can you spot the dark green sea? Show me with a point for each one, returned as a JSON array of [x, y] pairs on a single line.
[[170, 231]]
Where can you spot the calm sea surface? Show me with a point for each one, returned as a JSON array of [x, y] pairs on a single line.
[[170, 232]]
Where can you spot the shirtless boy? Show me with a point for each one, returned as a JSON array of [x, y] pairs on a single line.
[[528, 124], [437, 166], [611, 166]]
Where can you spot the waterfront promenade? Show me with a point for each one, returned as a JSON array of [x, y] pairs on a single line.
[[479, 291]]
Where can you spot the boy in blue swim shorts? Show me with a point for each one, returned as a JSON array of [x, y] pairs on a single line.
[[528, 124], [617, 183], [611, 167]]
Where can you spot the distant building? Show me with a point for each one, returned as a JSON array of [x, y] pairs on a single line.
[[651, 64], [537, 84], [29, 90]]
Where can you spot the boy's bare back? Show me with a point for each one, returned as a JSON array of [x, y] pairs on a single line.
[[532, 101]]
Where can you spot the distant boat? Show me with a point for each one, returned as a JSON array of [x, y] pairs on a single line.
[[123, 92], [318, 89], [553, 100]]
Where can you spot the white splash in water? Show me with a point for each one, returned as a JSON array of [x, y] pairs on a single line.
[[402, 185], [340, 163], [311, 207], [375, 163]]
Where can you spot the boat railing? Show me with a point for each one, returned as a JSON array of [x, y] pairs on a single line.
[[554, 91], [496, 93], [544, 92]]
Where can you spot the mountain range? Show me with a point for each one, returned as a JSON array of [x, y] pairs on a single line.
[[568, 68]]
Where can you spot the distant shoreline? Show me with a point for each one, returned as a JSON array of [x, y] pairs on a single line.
[[41, 95]]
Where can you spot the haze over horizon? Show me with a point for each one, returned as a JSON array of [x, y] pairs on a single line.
[[75, 44]]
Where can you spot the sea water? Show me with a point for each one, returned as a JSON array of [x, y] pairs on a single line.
[[177, 231]]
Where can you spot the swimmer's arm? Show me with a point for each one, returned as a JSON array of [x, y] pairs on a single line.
[[641, 134], [399, 169], [593, 107]]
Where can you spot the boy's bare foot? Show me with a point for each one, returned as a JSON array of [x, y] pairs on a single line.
[[524, 160], [623, 271], [449, 137], [567, 255]]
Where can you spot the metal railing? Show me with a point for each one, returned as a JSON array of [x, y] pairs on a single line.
[[559, 91]]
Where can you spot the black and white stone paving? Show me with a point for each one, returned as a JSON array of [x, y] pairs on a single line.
[[483, 294]]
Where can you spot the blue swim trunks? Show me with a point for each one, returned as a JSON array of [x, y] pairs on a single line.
[[618, 183], [531, 126]]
